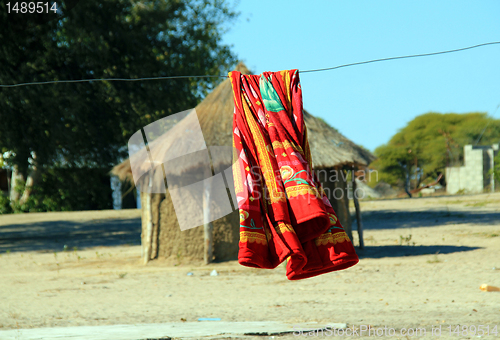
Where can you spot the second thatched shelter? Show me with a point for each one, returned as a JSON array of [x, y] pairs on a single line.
[[331, 153]]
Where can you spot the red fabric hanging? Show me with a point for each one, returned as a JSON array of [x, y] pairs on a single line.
[[284, 212]]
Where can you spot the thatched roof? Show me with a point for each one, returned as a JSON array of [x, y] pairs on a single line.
[[329, 148], [215, 114]]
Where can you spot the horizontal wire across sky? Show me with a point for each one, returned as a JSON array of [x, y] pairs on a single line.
[[223, 76]]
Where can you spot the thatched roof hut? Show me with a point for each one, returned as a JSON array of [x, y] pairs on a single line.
[[329, 150]]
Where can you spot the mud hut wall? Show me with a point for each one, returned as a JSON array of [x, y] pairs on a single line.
[[156, 200], [335, 186], [188, 245], [144, 222], [227, 237]]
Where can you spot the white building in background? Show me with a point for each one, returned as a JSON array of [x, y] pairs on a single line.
[[473, 177]]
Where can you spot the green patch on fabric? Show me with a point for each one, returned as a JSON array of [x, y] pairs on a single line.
[[270, 98]]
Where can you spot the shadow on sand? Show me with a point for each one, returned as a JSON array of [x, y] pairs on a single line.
[[377, 252], [54, 235], [387, 219]]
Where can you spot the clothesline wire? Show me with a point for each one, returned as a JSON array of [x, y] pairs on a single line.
[[402, 57], [224, 76], [107, 79]]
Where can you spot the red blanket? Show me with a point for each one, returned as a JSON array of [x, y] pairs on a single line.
[[284, 212]]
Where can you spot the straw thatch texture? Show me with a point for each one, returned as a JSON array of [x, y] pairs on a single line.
[[329, 148]]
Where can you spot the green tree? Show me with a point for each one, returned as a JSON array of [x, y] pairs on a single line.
[[426, 145], [496, 169], [87, 124]]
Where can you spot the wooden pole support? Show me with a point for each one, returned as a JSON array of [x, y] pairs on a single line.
[[148, 214], [358, 215], [208, 227]]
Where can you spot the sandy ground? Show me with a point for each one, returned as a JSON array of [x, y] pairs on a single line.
[[431, 278]]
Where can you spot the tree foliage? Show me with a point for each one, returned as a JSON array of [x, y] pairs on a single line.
[[496, 168], [66, 189], [429, 143], [88, 124]]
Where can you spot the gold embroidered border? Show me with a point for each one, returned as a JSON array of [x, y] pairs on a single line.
[[332, 238], [232, 86], [285, 76], [286, 144], [238, 184], [267, 169], [284, 227], [302, 189], [277, 144], [249, 236]]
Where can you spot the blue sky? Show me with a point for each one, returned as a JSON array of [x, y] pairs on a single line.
[[369, 103]]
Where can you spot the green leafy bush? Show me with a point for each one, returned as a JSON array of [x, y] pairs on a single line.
[[69, 189], [4, 205]]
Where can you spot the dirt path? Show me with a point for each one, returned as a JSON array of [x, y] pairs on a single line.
[[430, 279]]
